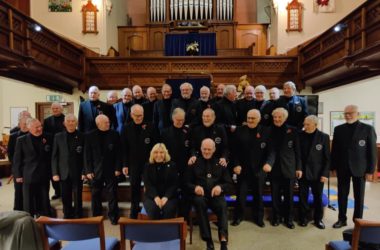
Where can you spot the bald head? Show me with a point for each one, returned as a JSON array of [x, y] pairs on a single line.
[[126, 95], [137, 92], [137, 113], [166, 91], [112, 97], [207, 148], [253, 118], [70, 123], [249, 93], [151, 93], [102, 122], [93, 93], [274, 94]]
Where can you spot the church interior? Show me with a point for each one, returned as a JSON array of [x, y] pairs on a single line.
[[55, 50]]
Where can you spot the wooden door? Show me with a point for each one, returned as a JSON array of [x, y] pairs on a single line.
[[43, 109]]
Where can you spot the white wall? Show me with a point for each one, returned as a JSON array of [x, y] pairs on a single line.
[[69, 24], [117, 17], [363, 93], [313, 23], [14, 93]]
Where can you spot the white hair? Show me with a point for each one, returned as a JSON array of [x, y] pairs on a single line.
[[229, 89]]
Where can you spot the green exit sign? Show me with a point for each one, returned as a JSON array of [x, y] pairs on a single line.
[[53, 98]]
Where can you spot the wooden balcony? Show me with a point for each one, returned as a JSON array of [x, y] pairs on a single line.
[[120, 72], [340, 57], [30, 52]]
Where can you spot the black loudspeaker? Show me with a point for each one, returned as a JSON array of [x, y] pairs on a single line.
[[263, 8], [312, 103]]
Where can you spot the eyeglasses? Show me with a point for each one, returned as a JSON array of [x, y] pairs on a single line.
[[349, 113]]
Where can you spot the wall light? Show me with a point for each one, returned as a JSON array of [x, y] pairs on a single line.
[[35, 27], [340, 26]]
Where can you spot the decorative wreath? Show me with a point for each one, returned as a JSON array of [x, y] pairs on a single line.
[[323, 2]]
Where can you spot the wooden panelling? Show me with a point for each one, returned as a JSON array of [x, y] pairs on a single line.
[[117, 73], [248, 34], [337, 58], [132, 38], [21, 5]]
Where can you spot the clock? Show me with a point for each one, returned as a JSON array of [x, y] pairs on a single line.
[[294, 16], [89, 16]]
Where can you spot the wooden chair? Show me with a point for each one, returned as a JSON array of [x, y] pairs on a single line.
[[166, 234], [86, 233], [365, 233]]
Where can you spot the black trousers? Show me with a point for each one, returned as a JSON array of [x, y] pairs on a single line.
[[17, 205], [344, 190], [135, 195], [56, 186], [219, 206], [256, 183], [110, 185], [166, 212], [281, 186], [36, 198], [72, 189], [317, 191]]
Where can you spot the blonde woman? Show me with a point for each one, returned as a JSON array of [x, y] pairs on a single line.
[[161, 184]]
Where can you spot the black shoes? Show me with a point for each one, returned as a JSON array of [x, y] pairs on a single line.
[[275, 223], [210, 245], [223, 245], [290, 225], [303, 222], [236, 222], [319, 224], [340, 224], [260, 223]]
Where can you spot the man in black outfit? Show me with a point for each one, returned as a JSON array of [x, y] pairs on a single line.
[[286, 168], [202, 104], [162, 109], [177, 140], [218, 93], [315, 157], [137, 139], [268, 106], [123, 110], [187, 103], [90, 109], [53, 125], [353, 156], [23, 130], [225, 109], [138, 95], [208, 181], [294, 104], [148, 106], [67, 166], [216, 132], [253, 157], [245, 104], [102, 164], [31, 163]]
